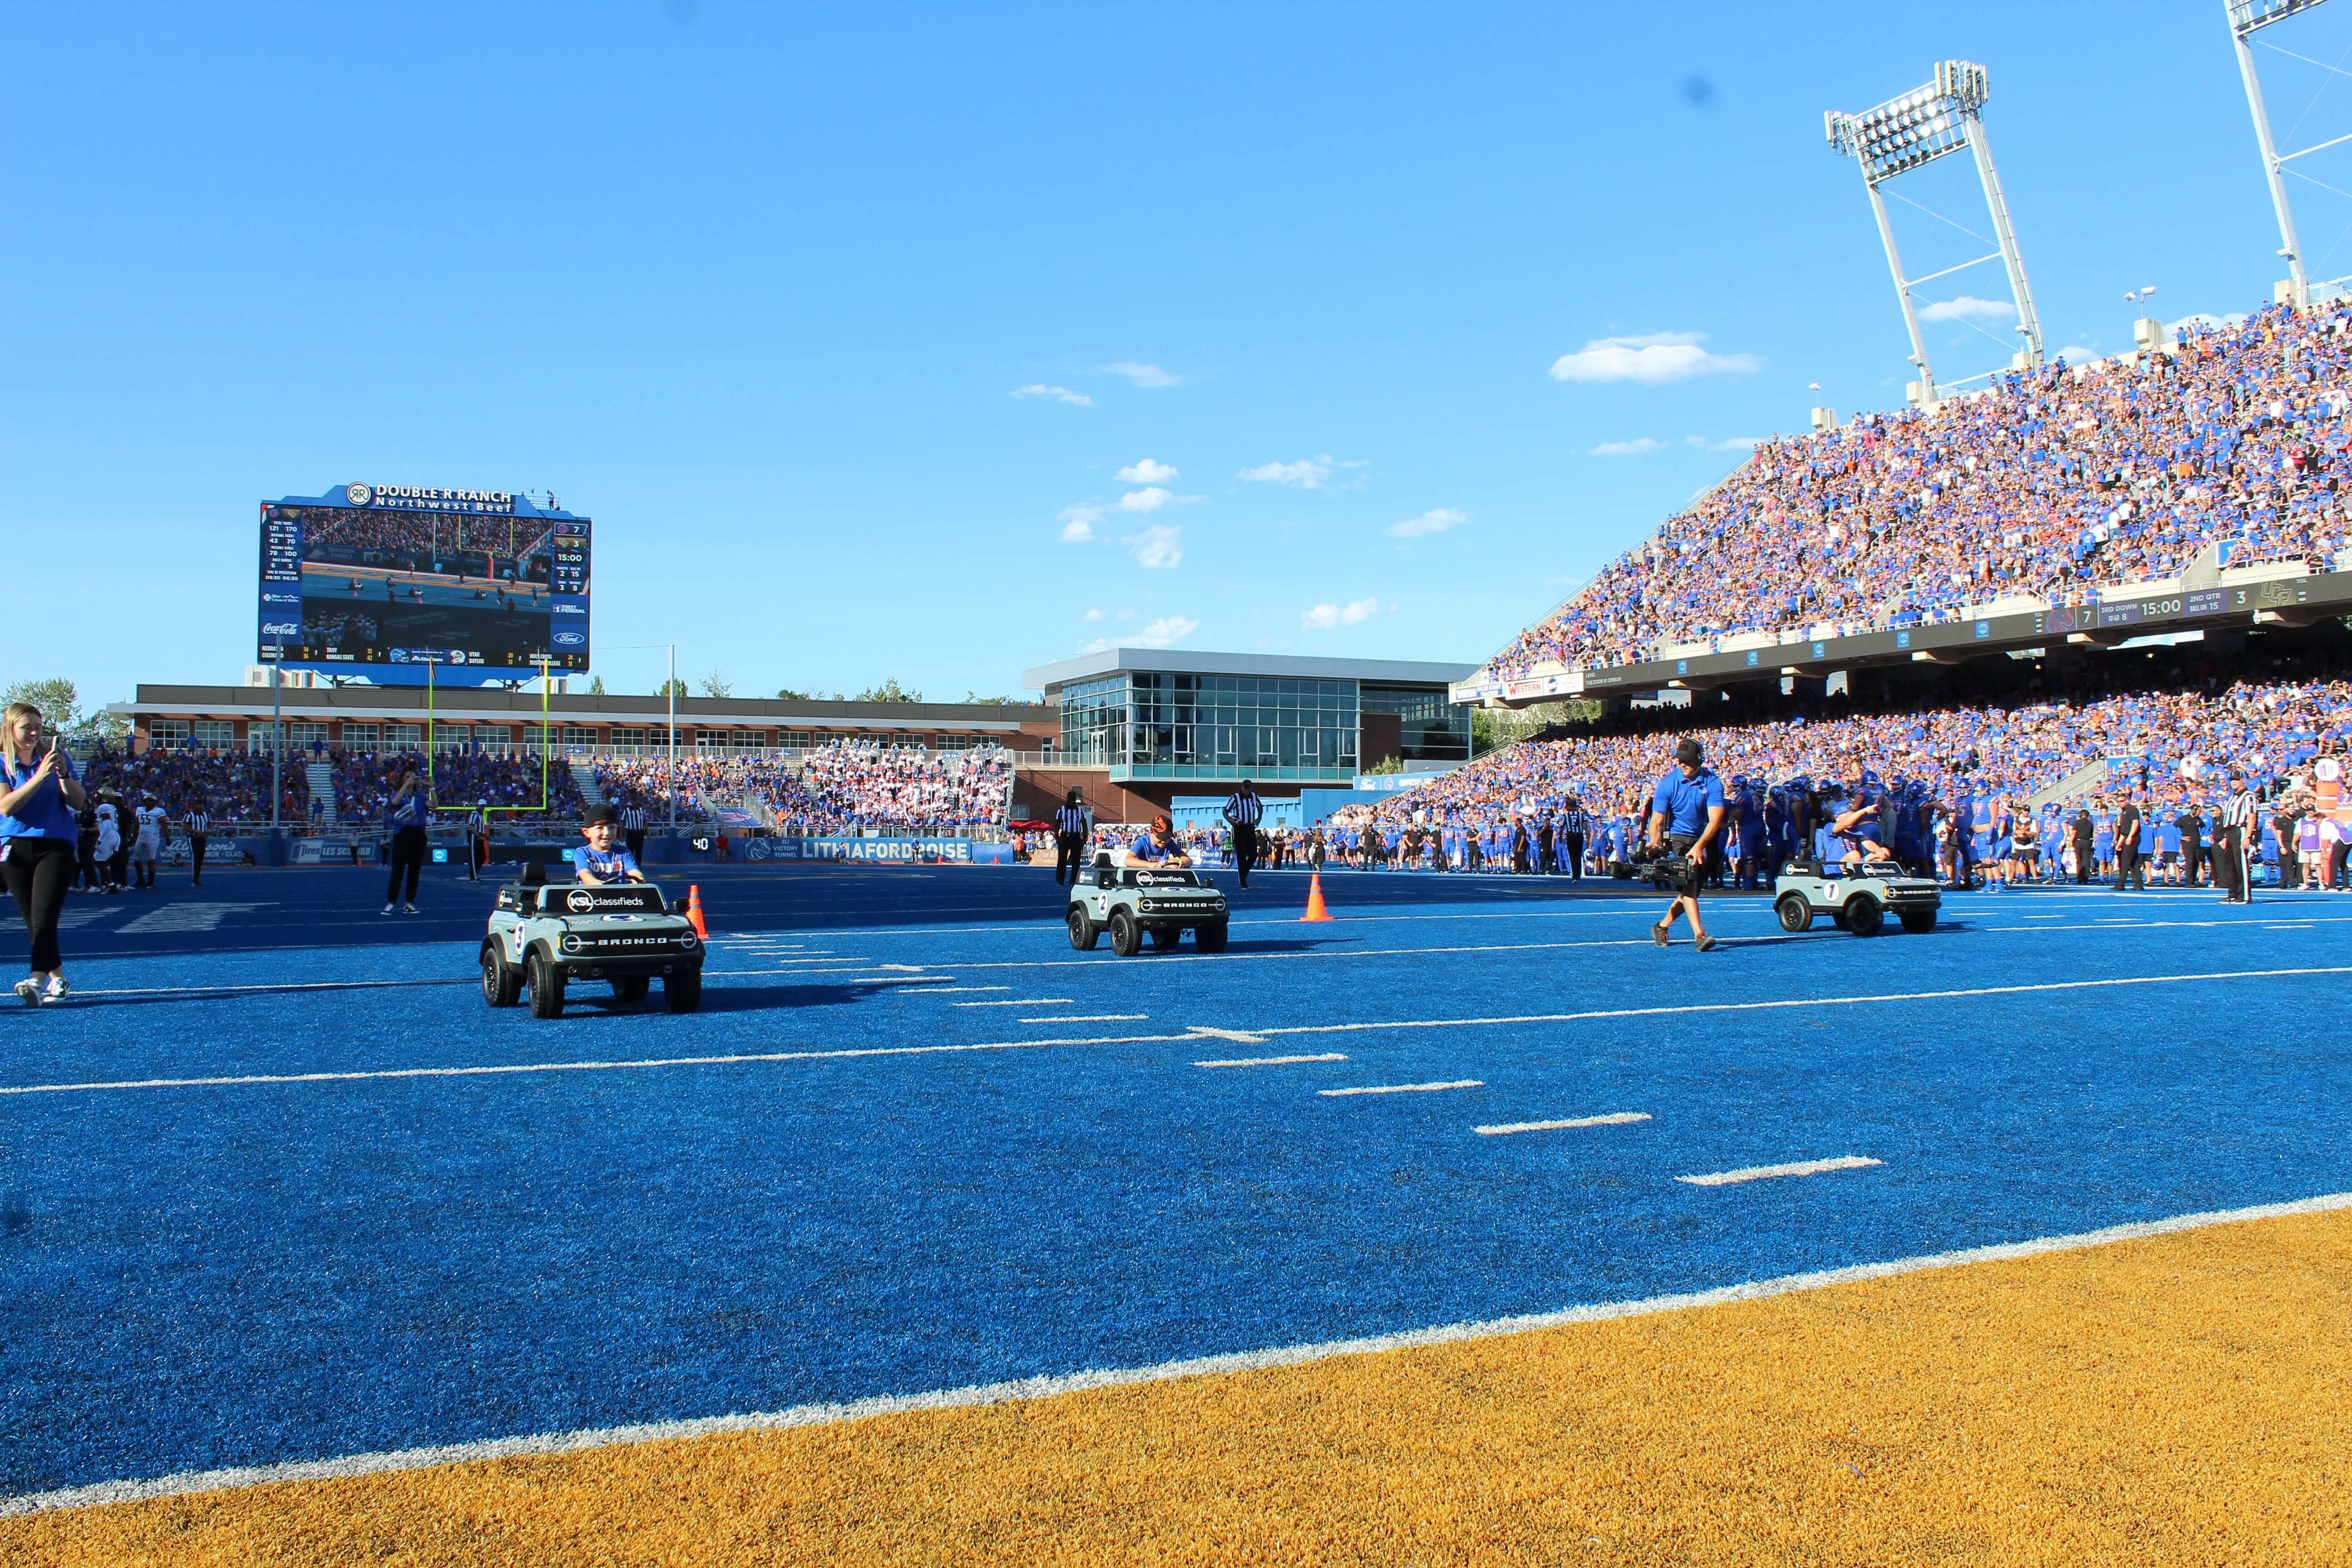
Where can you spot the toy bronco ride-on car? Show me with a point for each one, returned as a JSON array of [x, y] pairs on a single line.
[[544, 936], [1130, 900], [1858, 897]]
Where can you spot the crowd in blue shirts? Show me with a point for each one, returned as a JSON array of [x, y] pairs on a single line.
[[2045, 485]]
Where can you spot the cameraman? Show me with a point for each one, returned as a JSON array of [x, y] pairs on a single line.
[[1686, 816]]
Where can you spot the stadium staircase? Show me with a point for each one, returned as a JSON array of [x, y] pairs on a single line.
[[321, 777], [2082, 781], [584, 773]]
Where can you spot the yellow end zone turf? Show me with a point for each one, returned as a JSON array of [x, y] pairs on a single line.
[[2176, 1400]]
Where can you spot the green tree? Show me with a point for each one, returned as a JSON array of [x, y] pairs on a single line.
[[672, 687], [978, 700], [60, 703], [888, 691], [1387, 764], [596, 686], [790, 695], [717, 684]]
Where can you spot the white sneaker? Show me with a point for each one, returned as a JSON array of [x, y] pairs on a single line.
[[388, 908], [408, 908], [57, 990], [28, 991]]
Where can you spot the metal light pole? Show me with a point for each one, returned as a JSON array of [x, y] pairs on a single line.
[[2246, 18], [669, 688], [1909, 133], [277, 744]]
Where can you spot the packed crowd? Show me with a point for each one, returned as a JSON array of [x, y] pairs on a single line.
[[2045, 484], [704, 785], [423, 541], [845, 787], [1947, 774], [233, 786], [462, 782]]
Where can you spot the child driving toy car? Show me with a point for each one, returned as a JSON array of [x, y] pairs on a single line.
[[601, 860]]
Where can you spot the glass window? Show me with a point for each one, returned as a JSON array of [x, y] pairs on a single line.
[[167, 733], [214, 732]]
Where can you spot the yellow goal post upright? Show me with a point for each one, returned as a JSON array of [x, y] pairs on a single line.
[[546, 748]]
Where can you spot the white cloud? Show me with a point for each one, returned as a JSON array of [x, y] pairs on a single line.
[[1093, 616], [1059, 394], [1157, 548], [2230, 322], [1079, 522], [1307, 473], [1143, 374], [1437, 520], [1633, 449], [2075, 353], [1167, 630], [1728, 444], [1653, 358], [1146, 472], [1322, 617], [1966, 306], [1151, 498]]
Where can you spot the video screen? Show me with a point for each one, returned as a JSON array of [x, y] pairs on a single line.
[[380, 587]]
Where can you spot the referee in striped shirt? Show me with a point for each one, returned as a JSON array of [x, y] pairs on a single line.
[[2229, 839], [1071, 830], [633, 831], [1574, 823], [1243, 811], [199, 823]]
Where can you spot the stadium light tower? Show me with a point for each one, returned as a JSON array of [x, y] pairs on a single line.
[[2248, 17], [1915, 129]]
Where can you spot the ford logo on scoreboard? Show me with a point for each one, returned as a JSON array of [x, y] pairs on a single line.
[[569, 639]]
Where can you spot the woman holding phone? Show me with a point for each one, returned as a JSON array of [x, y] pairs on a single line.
[[38, 797]]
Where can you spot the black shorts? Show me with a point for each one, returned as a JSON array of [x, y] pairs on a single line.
[[1680, 844]]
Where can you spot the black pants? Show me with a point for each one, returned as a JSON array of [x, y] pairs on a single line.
[[636, 840], [38, 872], [1069, 856], [2126, 862], [197, 844], [118, 867], [407, 855], [1244, 851], [2082, 863], [2229, 862], [1571, 849], [87, 847]]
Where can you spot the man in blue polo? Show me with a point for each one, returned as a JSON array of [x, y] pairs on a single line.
[[1686, 816]]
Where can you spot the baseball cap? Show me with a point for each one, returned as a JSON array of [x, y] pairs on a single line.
[[1689, 754], [600, 814]]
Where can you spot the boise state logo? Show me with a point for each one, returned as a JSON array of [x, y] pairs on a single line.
[[360, 495]]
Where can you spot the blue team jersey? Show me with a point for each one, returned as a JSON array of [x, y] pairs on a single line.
[[1685, 802], [1143, 849], [606, 865]]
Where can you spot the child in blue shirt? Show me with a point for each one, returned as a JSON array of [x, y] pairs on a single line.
[[599, 861]]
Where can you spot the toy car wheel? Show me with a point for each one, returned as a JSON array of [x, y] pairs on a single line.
[[1795, 913], [1163, 938], [1084, 932], [546, 987], [681, 993], [631, 988], [1212, 938], [1863, 915], [1125, 936], [501, 986], [1918, 923]]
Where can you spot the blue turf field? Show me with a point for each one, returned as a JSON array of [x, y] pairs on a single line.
[[248, 1273]]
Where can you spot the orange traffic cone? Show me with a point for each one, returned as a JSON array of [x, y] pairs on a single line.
[[1315, 909], [694, 911]]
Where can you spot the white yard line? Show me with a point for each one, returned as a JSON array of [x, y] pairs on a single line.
[[1613, 1118], [188, 1483], [952, 991], [1270, 1061], [1093, 1018], [1401, 1087], [1015, 1001], [1798, 1168]]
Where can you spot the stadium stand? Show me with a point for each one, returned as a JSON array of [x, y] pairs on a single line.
[[2042, 486], [834, 788]]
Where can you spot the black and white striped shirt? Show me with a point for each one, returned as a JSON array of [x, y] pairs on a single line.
[[2240, 812], [1070, 822], [1573, 820], [633, 819], [1243, 809], [198, 823]]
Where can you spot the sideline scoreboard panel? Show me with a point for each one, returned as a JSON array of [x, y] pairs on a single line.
[[384, 581]]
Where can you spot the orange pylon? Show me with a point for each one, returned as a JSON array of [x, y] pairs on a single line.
[[1315, 909], [694, 911]]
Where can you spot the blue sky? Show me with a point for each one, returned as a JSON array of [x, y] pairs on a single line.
[[759, 288]]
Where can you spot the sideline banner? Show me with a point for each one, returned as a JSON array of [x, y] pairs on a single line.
[[927, 851]]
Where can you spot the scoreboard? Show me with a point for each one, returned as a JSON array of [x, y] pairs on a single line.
[[389, 582]]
